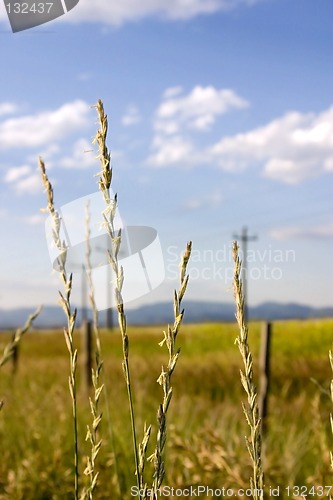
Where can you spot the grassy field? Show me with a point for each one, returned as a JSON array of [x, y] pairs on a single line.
[[206, 425]]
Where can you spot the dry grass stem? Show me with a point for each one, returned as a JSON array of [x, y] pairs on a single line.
[[105, 177], [142, 459], [92, 431], [254, 442], [166, 374], [20, 332], [98, 372], [65, 302], [331, 415]]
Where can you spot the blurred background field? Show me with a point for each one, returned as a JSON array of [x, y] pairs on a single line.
[[206, 426]]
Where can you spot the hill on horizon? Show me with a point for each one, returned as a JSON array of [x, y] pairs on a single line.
[[162, 313]]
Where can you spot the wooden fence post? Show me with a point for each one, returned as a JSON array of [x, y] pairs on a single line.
[[87, 353], [264, 366]]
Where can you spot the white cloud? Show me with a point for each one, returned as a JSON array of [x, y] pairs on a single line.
[[291, 148], [173, 150], [29, 185], [167, 127], [114, 12], [16, 173], [83, 156], [131, 117], [178, 115], [7, 108], [24, 180], [329, 164], [199, 108], [44, 127], [321, 231], [172, 92], [288, 171]]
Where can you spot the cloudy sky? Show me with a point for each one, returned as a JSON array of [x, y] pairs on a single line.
[[220, 116]]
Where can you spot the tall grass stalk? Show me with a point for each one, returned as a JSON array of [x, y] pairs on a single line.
[[92, 431], [11, 347], [142, 459], [331, 415], [18, 335], [98, 372], [65, 302], [251, 410], [166, 374], [115, 237]]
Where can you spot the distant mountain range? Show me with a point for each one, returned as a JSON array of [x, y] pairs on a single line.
[[162, 313]]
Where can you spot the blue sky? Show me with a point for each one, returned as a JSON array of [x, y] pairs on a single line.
[[220, 116]]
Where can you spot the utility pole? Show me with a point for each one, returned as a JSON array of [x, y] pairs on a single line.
[[244, 238]]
